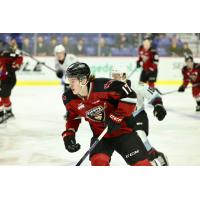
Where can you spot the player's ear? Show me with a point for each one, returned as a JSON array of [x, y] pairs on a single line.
[[84, 81]]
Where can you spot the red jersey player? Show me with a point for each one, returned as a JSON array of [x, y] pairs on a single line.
[[9, 63], [191, 74], [103, 103], [148, 60]]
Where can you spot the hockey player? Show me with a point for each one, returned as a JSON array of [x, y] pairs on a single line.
[[141, 119], [62, 61], [102, 102], [191, 74], [148, 60], [9, 63]]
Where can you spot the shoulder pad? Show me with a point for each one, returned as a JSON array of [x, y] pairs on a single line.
[[68, 96], [197, 65], [101, 84], [153, 50], [129, 83]]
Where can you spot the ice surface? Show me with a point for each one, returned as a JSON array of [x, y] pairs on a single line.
[[34, 137]]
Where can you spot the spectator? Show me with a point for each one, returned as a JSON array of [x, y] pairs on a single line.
[[18, 39], [52, 45], [186, 49], [174, 50], [104, 49], [13, 44], [1, 46], [66, 43], [26, 45], [79, 48], [122, 40], [41, 47], [134, 40]]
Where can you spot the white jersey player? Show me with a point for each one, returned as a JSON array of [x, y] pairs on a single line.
[[141, 125], [63, 61]]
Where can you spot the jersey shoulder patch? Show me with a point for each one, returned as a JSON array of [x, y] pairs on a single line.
[[184, 68], [101, 84], [197, 66], [68, 96], [153, 51]]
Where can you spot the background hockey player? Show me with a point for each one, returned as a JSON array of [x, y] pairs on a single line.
[[102, 102], [148, 60], [141, 119], [9, 63], [62, 61], [191, 74]]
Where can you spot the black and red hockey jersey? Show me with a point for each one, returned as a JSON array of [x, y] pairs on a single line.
[[9, 63], [106, 96], [148, 59], [191, 75]]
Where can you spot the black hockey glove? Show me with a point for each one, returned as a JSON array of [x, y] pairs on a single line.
[[181, 88], [113, 122], [139, 64], [159, 112], [59, 73], [70, 141]]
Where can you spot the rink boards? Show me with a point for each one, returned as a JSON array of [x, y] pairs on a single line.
[[169, 70]]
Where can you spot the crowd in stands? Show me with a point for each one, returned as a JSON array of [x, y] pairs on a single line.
[[91, 44]]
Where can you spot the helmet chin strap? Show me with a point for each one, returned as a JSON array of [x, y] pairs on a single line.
[[81, 89]]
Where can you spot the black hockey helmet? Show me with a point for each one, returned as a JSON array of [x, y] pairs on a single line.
[[79, 70], [188, 57]]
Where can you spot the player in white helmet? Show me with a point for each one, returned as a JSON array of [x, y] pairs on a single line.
[[141, 125], [62, 61]]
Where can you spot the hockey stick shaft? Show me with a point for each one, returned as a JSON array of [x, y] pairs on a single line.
[[35, 59], [92, 147], [174, 91], [134, 70]]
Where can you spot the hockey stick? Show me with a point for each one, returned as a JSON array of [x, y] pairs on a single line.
[[174, 91], [92, 147], [133, 71], [32, 57]]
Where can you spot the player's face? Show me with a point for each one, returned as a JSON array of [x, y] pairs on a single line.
[[117, 76], [60, 56], [74, 85], [146, 44], [189, 64]]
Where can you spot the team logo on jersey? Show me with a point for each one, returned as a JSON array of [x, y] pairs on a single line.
[[107, 85], [64, 98], [96, 114], [144, 58], [193, 76]]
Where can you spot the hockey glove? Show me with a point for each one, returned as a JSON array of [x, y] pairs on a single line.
[[181, 88], [70, 141], [139, 64], [59, 73], [113, 122], [159, 112]]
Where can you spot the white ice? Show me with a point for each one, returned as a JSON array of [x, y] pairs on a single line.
[[34, 137]]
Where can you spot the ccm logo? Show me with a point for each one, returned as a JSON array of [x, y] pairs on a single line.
[[116, 119], [132, 153]]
